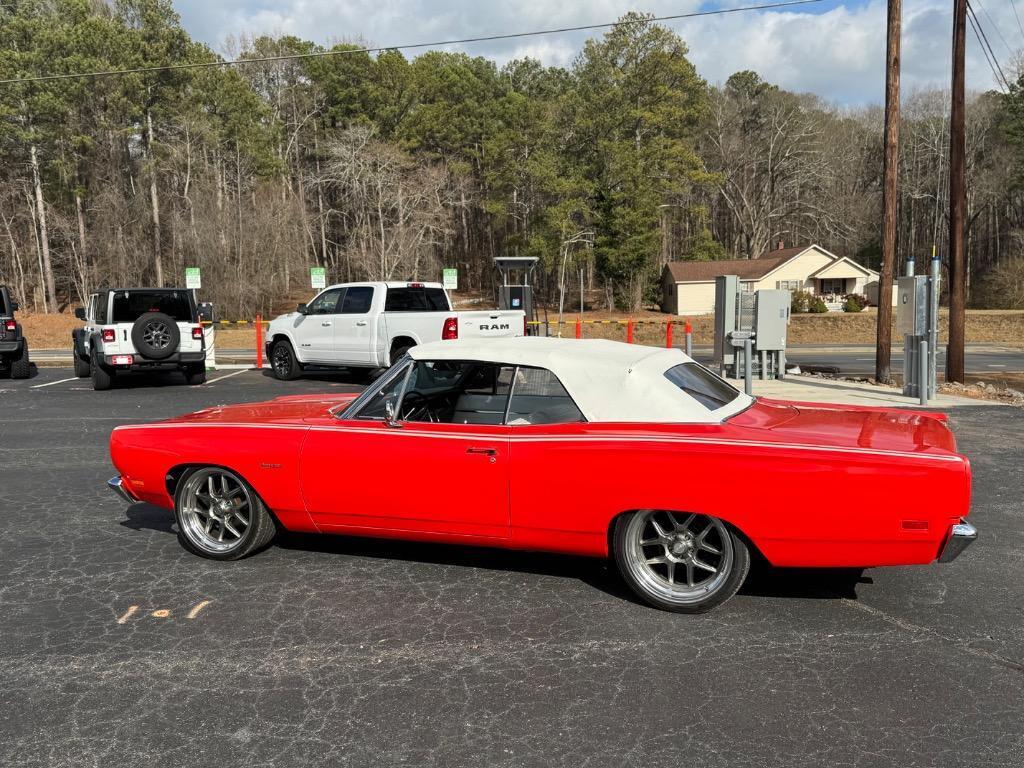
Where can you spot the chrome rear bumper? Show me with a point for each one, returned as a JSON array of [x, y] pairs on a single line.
[[117, 486], [960, 536]]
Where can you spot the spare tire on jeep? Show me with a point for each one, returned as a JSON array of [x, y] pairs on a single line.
[[156, 336]]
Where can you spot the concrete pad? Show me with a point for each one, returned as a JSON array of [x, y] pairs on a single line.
[[812, 389]]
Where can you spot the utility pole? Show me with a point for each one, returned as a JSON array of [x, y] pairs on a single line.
[[957, 201], [890, 194]]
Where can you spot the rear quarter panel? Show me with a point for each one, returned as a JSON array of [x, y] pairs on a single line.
[[800, 506], [265, 456]]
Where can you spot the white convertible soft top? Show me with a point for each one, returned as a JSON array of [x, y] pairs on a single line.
[[610, 381]]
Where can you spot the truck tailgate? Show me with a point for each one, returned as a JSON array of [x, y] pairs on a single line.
[[486, 324]]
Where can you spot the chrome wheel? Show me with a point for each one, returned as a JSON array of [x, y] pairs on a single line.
[[679, 558], [215, 510]]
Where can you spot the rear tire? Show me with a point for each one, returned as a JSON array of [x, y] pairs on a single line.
[[398, 352], [21, 368], [283, 363], [219, 515], [195, 375], [102, 377], [679, 562], [82, 367]]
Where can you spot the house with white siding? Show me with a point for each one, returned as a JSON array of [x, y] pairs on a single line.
[[688, 287]]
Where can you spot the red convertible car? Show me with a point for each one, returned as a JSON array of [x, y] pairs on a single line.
[[585, 447]]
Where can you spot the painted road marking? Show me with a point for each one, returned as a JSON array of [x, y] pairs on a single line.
[[996, 365], [51, 383], [236, 373], [163, 613], [128, 614]]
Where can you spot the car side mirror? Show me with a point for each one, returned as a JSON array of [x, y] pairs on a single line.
[[80, 313], [302, 309], [389, 415]]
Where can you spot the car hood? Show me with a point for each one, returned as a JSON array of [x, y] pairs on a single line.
[[282, 410], [880, 429]]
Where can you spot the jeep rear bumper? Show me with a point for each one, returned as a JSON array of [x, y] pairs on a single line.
[[7, 347], [173, 363]]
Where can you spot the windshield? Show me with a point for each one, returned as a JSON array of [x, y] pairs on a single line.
[[130, 306], [702, 385]]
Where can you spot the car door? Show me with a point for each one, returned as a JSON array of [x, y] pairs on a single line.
[[367, 472], [354, 329], [315, 333]]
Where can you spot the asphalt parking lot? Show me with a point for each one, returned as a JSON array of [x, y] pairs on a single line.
[[118, 648]]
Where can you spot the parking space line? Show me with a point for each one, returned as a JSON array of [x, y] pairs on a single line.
[[228, 376], [51, 383]]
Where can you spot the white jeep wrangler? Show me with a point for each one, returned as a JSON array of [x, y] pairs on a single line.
[[139, 329]]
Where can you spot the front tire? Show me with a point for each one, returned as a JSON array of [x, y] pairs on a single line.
[[686, 563], [102, 377], [219, 515], [82, 367], [283, 362]]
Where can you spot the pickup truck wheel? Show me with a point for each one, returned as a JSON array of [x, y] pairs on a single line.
[[398, 352], [219, 515], [686, 563], [195, 374], [283, 362], [82, 367], [102, 377], [21, 368]]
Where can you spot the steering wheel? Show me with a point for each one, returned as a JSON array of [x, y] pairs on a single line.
[[419, 405]]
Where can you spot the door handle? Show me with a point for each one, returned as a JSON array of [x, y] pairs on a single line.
[[483, 451], [325, 324], [361, 323]]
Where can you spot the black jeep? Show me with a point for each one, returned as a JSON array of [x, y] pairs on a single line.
[[13, 344]]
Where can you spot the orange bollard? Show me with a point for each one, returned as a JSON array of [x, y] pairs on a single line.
[[629, 331], [668, 334], [689, 328], [579, 328], [259, 341]]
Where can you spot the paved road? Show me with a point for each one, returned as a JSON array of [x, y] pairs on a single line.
[[335, 651]]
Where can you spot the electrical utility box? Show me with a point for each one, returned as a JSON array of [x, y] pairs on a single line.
[[912, 306], [727, 288], [771, 320]]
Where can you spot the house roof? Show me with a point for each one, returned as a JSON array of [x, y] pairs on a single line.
[[608, 380], [746, 269], [788, 252], [844, 267]]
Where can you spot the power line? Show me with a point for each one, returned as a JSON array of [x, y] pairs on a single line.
[[1020, 26], [986, 48], [409, 46], [996, 26]]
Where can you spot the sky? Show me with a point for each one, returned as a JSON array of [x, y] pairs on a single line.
[[833, 49]]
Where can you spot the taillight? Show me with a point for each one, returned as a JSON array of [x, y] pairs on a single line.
[[197, 333], [10, 325], [451, 329], [108, 335]]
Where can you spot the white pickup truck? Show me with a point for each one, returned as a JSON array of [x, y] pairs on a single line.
[[366, 326]]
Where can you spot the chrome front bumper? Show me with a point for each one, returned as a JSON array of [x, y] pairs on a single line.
[[961, 535], [116, 484]]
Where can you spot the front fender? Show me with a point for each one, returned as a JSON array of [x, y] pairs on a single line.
[[267, 457]]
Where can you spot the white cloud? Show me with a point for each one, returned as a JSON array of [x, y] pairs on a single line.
[[838, 53]]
